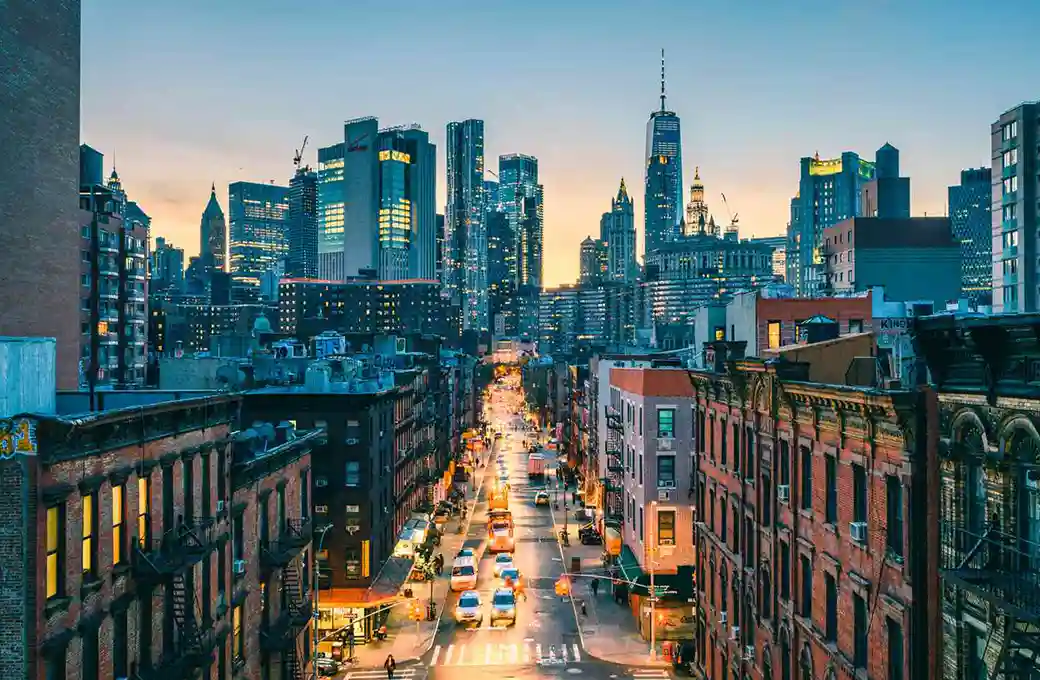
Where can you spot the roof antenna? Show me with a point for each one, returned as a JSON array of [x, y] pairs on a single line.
[[662, 81]]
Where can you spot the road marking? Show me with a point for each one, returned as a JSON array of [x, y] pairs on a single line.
[[375, 674], [487, 654], [447, 657], [649, 673], [563, 653], [577, 653], [436, 653]]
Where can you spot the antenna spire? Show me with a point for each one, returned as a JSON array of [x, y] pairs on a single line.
[[663, 96]]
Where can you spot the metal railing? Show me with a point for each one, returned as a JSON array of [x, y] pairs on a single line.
[[1002, 568], [296, 535], [178, 548]]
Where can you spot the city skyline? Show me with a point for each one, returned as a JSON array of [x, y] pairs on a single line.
[[761, 102]]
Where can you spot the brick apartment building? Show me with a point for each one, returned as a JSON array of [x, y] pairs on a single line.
[[814, 501], [123, 569], [779, 320]]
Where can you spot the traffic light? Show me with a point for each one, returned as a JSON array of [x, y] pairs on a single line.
[[415, 612]]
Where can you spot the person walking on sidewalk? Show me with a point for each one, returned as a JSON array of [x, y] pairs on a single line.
[[595, 587], [390, 665]]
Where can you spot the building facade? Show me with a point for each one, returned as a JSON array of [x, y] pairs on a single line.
[[165, 268], [985, 423], [814, 554], [331, 211], [972, 226], [39, 199], [663, 192], [1015, 171], [618, 234], [302, 256], [213, 237], [465, 231], [258, 226], [520, 196]]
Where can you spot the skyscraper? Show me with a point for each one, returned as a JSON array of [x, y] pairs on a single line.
[[618, 232], [213, 248], [331, 208], [377, 213], [258, 222], [1016, 176], [39, 197], [302, 258], [971, 223], [500, 258], [664, 179], [166, 270], [829, 192], [590, 262], [465, 232], [520, 196]]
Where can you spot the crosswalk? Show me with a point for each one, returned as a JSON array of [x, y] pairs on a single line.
[[649, 673], [380, 674], [505, 654]]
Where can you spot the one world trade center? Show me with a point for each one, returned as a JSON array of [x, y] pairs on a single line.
[[664, 184]]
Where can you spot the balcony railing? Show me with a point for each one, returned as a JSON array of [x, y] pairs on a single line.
[[1001, 568], [295, 536], [614, 463], [281, 633], [178, 549]]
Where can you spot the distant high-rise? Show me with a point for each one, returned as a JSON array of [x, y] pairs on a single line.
[[465, 232], [618, 233], [500, 260], [420, 193], [258, 218], [591, 263], [664, 179], [521, 198], [166, 269], [39, 197], [213, 248], [302, 258], [439, 263], [331, 208], [361, 213], [971, 224], [829, 191], [1015, 175], [888, 195]]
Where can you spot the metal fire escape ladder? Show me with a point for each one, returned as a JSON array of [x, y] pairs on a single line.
[[293, 593], [614, 501], [189, 637]]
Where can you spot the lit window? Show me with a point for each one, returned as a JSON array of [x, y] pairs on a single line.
[[55, 539], [238, 641], [666, 527], [774, 334], [118, 537], [89, 526], [143, 504]]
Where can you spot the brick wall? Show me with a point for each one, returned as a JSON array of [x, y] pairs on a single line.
[[792, 310], [39, 189]]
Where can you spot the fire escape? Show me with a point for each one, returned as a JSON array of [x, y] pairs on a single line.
[[613, 489], [282, 636], [996, 564], [169, 562]]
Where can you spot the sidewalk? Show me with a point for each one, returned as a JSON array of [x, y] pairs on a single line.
[[408, 640], [608, 630]]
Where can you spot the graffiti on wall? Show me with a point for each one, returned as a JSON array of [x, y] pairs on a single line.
[[17, 437]]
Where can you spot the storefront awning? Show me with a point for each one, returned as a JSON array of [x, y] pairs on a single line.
[[385, 589], [669, 586]]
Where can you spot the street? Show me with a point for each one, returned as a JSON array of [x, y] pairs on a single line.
[[545, 641]]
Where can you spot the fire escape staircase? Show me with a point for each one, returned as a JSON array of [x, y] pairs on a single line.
[[997, 570], [614, 503], [282, 636], [167, 562]]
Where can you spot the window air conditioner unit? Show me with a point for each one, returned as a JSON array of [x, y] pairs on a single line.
[[352, 441], [723, 618], [734, 632], [783, 493], [220, 506], [664, 496], [239, 567], [858, 531], [665, 443]]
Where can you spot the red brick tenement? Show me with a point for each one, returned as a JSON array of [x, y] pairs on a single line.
[[123, 566], [808, 563], [853, 314]]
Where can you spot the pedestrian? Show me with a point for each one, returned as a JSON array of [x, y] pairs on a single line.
[[521, 590], [390, 665], [595, 587]]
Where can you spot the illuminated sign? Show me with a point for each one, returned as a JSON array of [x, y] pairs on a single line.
[[819, 168], [394, 156]]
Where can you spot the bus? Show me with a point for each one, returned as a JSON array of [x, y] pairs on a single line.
[[500, 531]]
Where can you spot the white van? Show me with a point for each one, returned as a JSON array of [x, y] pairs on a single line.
[[464, 574]]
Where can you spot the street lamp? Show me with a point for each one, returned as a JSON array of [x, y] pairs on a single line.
[[317, 591]]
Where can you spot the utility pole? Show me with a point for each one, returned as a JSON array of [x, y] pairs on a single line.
[[317, 590]]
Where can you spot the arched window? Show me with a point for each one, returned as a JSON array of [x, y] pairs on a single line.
[[749, 616], [736, 598], [1025, 457], [711, 580]]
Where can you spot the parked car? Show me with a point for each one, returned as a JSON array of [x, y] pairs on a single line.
[[327, 667]]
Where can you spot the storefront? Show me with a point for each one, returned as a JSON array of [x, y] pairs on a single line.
[[362, 610], [673, 613]]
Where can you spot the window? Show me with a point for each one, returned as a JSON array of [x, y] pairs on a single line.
[[118, 524], [806, 569], [785, 570], [720, 333], [1010, 184], [89, 530], [666, 472], [144, 502], [831, 628], [859, 494], [90, 654], [749, 446], [722, 449], [642, 536], [1010, 157], [666, 422], [640, 419], [832, 490], [353, 473], [55, 665], [1009, 266], [859, 621], [736, 448], [640, 469], [806, 490], [724, 518], [119, 644], [1011, 238], [55, 551], [785, 462], [855, 325], [895, 650], [1010, 212], [766, 508], [1009, 131], [238, 640], [894, 516], [773, 334]]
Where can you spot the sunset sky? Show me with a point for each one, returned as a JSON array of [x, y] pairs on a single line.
[[191, 92]]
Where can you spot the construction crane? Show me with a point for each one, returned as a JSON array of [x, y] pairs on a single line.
[[298, 158], [733, 218]]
